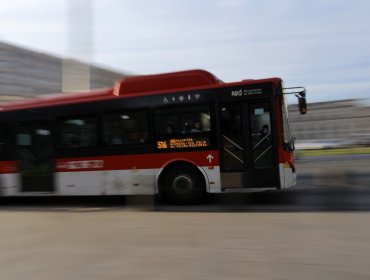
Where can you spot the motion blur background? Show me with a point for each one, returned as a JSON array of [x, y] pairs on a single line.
[[55, 46], [77, 45]]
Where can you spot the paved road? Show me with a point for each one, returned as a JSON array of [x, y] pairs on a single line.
[[118, 243], [273, 235]]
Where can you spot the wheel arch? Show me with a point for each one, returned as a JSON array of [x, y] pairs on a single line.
[[166, 167]]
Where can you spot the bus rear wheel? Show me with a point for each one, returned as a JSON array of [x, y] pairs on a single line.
[[183, 184]]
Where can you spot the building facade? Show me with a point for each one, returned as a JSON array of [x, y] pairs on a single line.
[[25, 73], [341, 120]]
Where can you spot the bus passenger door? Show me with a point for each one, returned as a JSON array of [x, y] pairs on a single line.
[[262, 150], [234, 171], [35, 157], [247, 146]]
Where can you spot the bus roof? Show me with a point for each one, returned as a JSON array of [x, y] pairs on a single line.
[[130, 87], [164, 82]]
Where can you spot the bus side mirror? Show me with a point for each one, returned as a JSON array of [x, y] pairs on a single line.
[[300, 93], [289, 146], [302, 104]]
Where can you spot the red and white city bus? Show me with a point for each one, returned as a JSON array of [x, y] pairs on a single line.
[[178, 134]]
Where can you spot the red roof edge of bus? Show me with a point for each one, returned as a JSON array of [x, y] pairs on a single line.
[[58, 99], [167, 81]]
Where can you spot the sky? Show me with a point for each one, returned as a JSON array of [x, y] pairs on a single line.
[[323, 45]]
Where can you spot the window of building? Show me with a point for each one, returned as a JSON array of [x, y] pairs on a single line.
[[125, 128], [79, 133]]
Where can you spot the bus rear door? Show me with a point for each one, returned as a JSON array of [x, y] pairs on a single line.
[[35, 156]]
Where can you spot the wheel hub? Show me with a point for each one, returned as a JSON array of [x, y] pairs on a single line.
[[182, 184]]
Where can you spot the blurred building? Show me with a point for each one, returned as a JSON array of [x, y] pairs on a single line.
[[26, 73], [342, 121]]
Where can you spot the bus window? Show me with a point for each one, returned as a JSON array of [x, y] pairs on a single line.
[[24, 135], [24, 139], [183, 120], [260, 126], [79, 133], [125, 128]]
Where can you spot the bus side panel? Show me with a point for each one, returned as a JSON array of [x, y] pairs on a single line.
[[131, 182], [130, 174], [287, 176], [214, 178], [122, 182], [9, 184], [112, 182]]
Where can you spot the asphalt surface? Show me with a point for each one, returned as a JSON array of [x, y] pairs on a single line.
[[318, 229], [104, 241]]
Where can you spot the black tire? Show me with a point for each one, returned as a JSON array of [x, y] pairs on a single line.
[[183, 184]]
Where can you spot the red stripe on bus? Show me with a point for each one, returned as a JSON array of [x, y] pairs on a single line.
[[132, 162], [8, 167]]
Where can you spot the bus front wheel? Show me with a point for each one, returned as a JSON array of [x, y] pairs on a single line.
[[183, 184]]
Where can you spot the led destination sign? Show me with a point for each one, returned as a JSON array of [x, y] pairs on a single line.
[[183, 143]]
